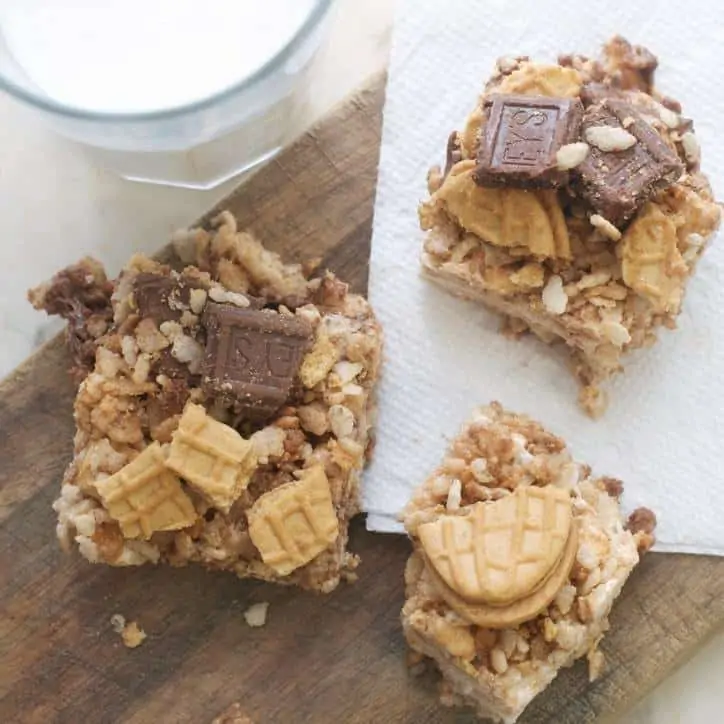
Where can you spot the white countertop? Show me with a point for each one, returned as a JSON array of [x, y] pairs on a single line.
[[57, 206]]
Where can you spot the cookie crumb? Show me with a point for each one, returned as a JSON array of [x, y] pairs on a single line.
[[131, 633], [256, 614], [642, 523]]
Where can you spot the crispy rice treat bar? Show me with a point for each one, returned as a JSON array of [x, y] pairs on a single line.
[[572, 203], [519, 554], [227, 415]]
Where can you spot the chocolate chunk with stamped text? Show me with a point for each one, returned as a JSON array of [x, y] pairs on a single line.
[[252, 357], [521, 137]]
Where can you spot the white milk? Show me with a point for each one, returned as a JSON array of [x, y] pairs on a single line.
[[144, 55], [135, 56]]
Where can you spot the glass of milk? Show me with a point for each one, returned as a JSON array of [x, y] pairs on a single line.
[[180, 92]]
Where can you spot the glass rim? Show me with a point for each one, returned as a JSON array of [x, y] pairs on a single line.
[[47, 104]]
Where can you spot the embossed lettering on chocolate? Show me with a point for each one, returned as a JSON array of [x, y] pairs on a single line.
[[521, 138], [252, 357]]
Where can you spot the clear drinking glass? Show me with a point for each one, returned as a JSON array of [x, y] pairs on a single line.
[[198, 144]]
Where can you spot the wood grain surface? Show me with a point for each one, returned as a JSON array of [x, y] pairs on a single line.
[[339, 658]]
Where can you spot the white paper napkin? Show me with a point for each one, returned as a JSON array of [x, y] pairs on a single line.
[[663, 433]]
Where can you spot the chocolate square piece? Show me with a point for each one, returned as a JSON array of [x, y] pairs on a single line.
[[252, 357], [163, 299], [160, 297], [521, 138], [617, 182]]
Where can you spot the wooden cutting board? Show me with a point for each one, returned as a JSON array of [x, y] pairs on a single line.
[[338, 658]]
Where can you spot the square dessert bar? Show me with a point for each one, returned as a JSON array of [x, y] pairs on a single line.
[[572, 203], [519, 554], [224, 413]]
